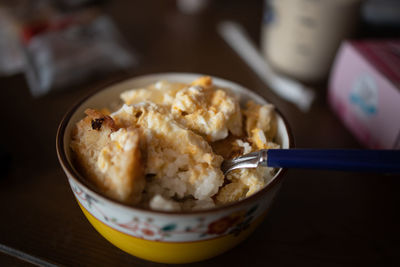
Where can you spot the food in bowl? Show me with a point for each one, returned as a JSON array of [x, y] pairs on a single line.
[[178, 236], [163, 147]]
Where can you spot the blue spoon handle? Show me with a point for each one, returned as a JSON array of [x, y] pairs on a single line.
[[386, 161]]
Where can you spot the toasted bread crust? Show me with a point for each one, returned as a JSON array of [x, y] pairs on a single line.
[[123, 179]]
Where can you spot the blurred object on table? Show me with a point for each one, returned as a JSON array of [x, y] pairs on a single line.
[[364, 91], [382, 12], [61, 48], [288, 89], [76, 4], [70, 49], [300, 37], [11, 57], [191, 6]]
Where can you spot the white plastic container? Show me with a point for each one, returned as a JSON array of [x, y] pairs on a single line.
[[300, 37]]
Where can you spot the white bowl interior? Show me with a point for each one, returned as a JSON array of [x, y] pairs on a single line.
[[110, 96]]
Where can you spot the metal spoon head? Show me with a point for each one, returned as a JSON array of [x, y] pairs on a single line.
[[250, 160]]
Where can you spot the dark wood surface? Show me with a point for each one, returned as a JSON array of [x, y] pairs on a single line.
[[320, 218]]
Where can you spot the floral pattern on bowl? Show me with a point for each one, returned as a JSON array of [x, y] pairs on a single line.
[[152, 227]]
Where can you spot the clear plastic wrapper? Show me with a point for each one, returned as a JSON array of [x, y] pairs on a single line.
[[70, 50]]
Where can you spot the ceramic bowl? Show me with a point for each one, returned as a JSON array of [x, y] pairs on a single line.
[[167, 237]]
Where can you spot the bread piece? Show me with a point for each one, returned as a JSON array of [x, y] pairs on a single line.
[[204, 81], [231, 192], [260, 125], [244, 183], [120, 161], [209, 113], [161, 93], [261, 117], [228, 148], [89, 137], [109, 158], [182, 162]]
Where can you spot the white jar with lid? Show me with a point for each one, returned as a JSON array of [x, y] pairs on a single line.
[[300, 37]]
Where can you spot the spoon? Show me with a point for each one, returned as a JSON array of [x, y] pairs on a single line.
[[384, 161]]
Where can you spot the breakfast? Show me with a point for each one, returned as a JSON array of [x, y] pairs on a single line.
[[162, 149]]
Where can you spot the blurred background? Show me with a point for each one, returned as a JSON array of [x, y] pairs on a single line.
[[331, 67]]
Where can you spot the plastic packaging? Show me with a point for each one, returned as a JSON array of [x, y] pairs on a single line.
[[70, 50]]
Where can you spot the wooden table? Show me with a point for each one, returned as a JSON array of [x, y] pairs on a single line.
[[320, 218]]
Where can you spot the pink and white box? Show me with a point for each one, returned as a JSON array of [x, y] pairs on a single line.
[[364, 90]]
